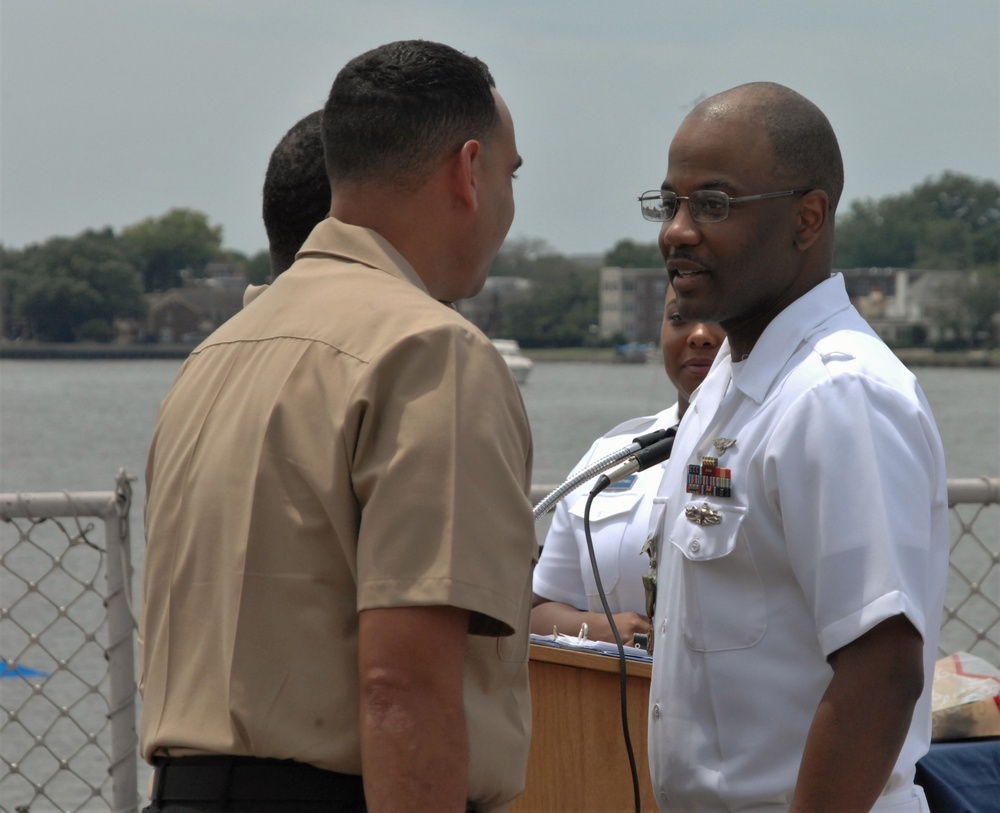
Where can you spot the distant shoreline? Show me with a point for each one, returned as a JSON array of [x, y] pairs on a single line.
[[911, 357], [39, 351]]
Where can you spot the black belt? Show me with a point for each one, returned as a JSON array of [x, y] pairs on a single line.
[[229, 778]]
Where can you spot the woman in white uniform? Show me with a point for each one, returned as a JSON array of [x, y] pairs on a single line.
[[565, 591]]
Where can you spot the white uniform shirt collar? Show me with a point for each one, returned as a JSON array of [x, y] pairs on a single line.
[[755, 376], [782, 338]]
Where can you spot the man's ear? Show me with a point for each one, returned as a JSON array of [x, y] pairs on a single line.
[[463, 174], [813, 213]]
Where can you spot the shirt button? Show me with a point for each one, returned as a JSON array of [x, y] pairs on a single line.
[[656, 711], [695, 546]]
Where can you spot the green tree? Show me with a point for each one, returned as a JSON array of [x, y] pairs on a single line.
[[162, 247], [559, 313], [518, 257], [980, 298], [867, 238], [56, 307], [630, 254], [258, 268], [57, 287], [8, 259], [949, 223], [563, 302]]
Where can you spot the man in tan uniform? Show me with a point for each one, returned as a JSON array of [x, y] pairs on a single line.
[[339, 535]]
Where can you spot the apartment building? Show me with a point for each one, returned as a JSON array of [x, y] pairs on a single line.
[[631, 303]]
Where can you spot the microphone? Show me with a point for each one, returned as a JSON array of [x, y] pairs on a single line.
[[650, 438], [637, 444], [641, 460]]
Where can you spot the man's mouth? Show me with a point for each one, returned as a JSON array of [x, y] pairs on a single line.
[[684, 267]]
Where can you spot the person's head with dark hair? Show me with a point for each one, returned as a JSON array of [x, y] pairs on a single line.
[[296, 190], [420, 148], [804, 146], [395, 110], [754, 175]]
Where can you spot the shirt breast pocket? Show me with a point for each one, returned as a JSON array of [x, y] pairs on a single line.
[[724, 601], [610, 515]]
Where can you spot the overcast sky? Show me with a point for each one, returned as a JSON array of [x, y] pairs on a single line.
[[112, 111]]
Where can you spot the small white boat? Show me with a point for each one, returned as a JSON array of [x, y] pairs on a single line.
[[519, 364], [634, 352]]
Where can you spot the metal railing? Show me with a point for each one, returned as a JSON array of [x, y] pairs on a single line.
[[971, 621], [68, 692]]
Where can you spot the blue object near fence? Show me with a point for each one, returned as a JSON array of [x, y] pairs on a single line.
[[12, 670]]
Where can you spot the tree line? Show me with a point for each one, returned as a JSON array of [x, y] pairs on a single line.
[[77, 288]]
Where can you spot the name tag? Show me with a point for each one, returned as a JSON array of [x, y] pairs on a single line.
[[624, 484]]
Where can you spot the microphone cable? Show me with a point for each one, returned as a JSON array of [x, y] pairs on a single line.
[[654, 454], [622, 668]]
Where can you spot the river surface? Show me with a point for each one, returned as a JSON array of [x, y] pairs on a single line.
[[72, 425]]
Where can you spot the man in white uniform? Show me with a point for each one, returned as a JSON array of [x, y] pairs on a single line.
[[802, 519]]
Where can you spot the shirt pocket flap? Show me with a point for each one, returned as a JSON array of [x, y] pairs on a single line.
[[704, 531], [606, 506]]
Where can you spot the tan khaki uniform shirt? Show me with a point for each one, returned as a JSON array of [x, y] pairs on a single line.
[[345, 442]]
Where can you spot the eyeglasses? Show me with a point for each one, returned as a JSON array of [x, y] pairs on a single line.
[[705, 205]]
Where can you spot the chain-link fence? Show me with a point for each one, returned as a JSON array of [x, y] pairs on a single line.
[[971, 620], [67, 689], [67, 631]]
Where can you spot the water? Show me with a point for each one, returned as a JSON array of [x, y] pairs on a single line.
[[71, 425], [569, 404]]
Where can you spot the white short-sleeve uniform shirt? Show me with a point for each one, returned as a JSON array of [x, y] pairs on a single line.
[[837, 520], [619, 521]]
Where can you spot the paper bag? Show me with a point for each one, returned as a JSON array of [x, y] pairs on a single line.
[[966, 698]]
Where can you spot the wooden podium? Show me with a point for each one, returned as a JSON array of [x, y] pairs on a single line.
[[578, 759]]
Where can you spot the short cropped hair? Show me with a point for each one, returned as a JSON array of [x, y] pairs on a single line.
[[296, 190], [806, 152], [397, 109]]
